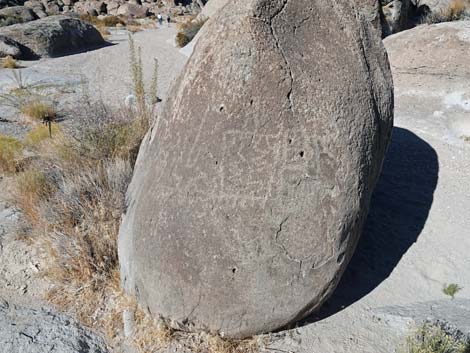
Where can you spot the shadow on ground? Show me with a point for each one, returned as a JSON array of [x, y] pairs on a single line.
[[398, 212]]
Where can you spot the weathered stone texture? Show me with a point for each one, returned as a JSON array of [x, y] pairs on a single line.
[[251, 189]]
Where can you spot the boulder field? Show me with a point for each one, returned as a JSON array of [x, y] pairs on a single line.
[[251, 189]]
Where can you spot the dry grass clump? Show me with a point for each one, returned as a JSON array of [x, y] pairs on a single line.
[[433, 339], [457, 10], [11, 151], [9, 62], [102, 23], [188, 30], [73, 198], [107, 21], [38, 110], [31, 188], [72, 194], [151, 335], [40, 134], [105, 33], [134, 28]]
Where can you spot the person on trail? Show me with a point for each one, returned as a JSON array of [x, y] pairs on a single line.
[[168, 19], [160, 19]]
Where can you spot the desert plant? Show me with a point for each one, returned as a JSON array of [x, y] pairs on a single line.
[[433, 339], [154, 85], [451, 289], [153, 335], [137, 76], [10, 151], [9, 62], [108, 21], [31, 188], [39, 110], [41, 133], [73, 196], [134, 29], [145, 103], [105, 33], [188, 30]]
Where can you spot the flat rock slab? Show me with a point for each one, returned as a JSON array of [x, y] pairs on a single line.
[[431, 72], [454, 315], [24, 330]]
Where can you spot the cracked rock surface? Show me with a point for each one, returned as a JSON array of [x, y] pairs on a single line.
[[251, 189], [24, 330]]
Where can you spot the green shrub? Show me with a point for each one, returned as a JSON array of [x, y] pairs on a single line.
[[433, 339], [451, 289]]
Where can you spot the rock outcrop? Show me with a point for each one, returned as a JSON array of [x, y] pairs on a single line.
[[5, 3], [451, 315], [24, 330], [431, 68], [212, 7], [399, 16], [251, 189], [17, 14], [54, 36], [9, 47]]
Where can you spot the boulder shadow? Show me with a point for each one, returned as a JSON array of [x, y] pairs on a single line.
[[63, 51], [398, 212]]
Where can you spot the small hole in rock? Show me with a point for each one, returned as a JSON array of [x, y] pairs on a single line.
[[216, 162], [290, 141], [221, 109], [234, 270], [301, 154]]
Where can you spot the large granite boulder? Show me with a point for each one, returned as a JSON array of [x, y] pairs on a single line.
[[24, 330], [250, 191], [55, 36]]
